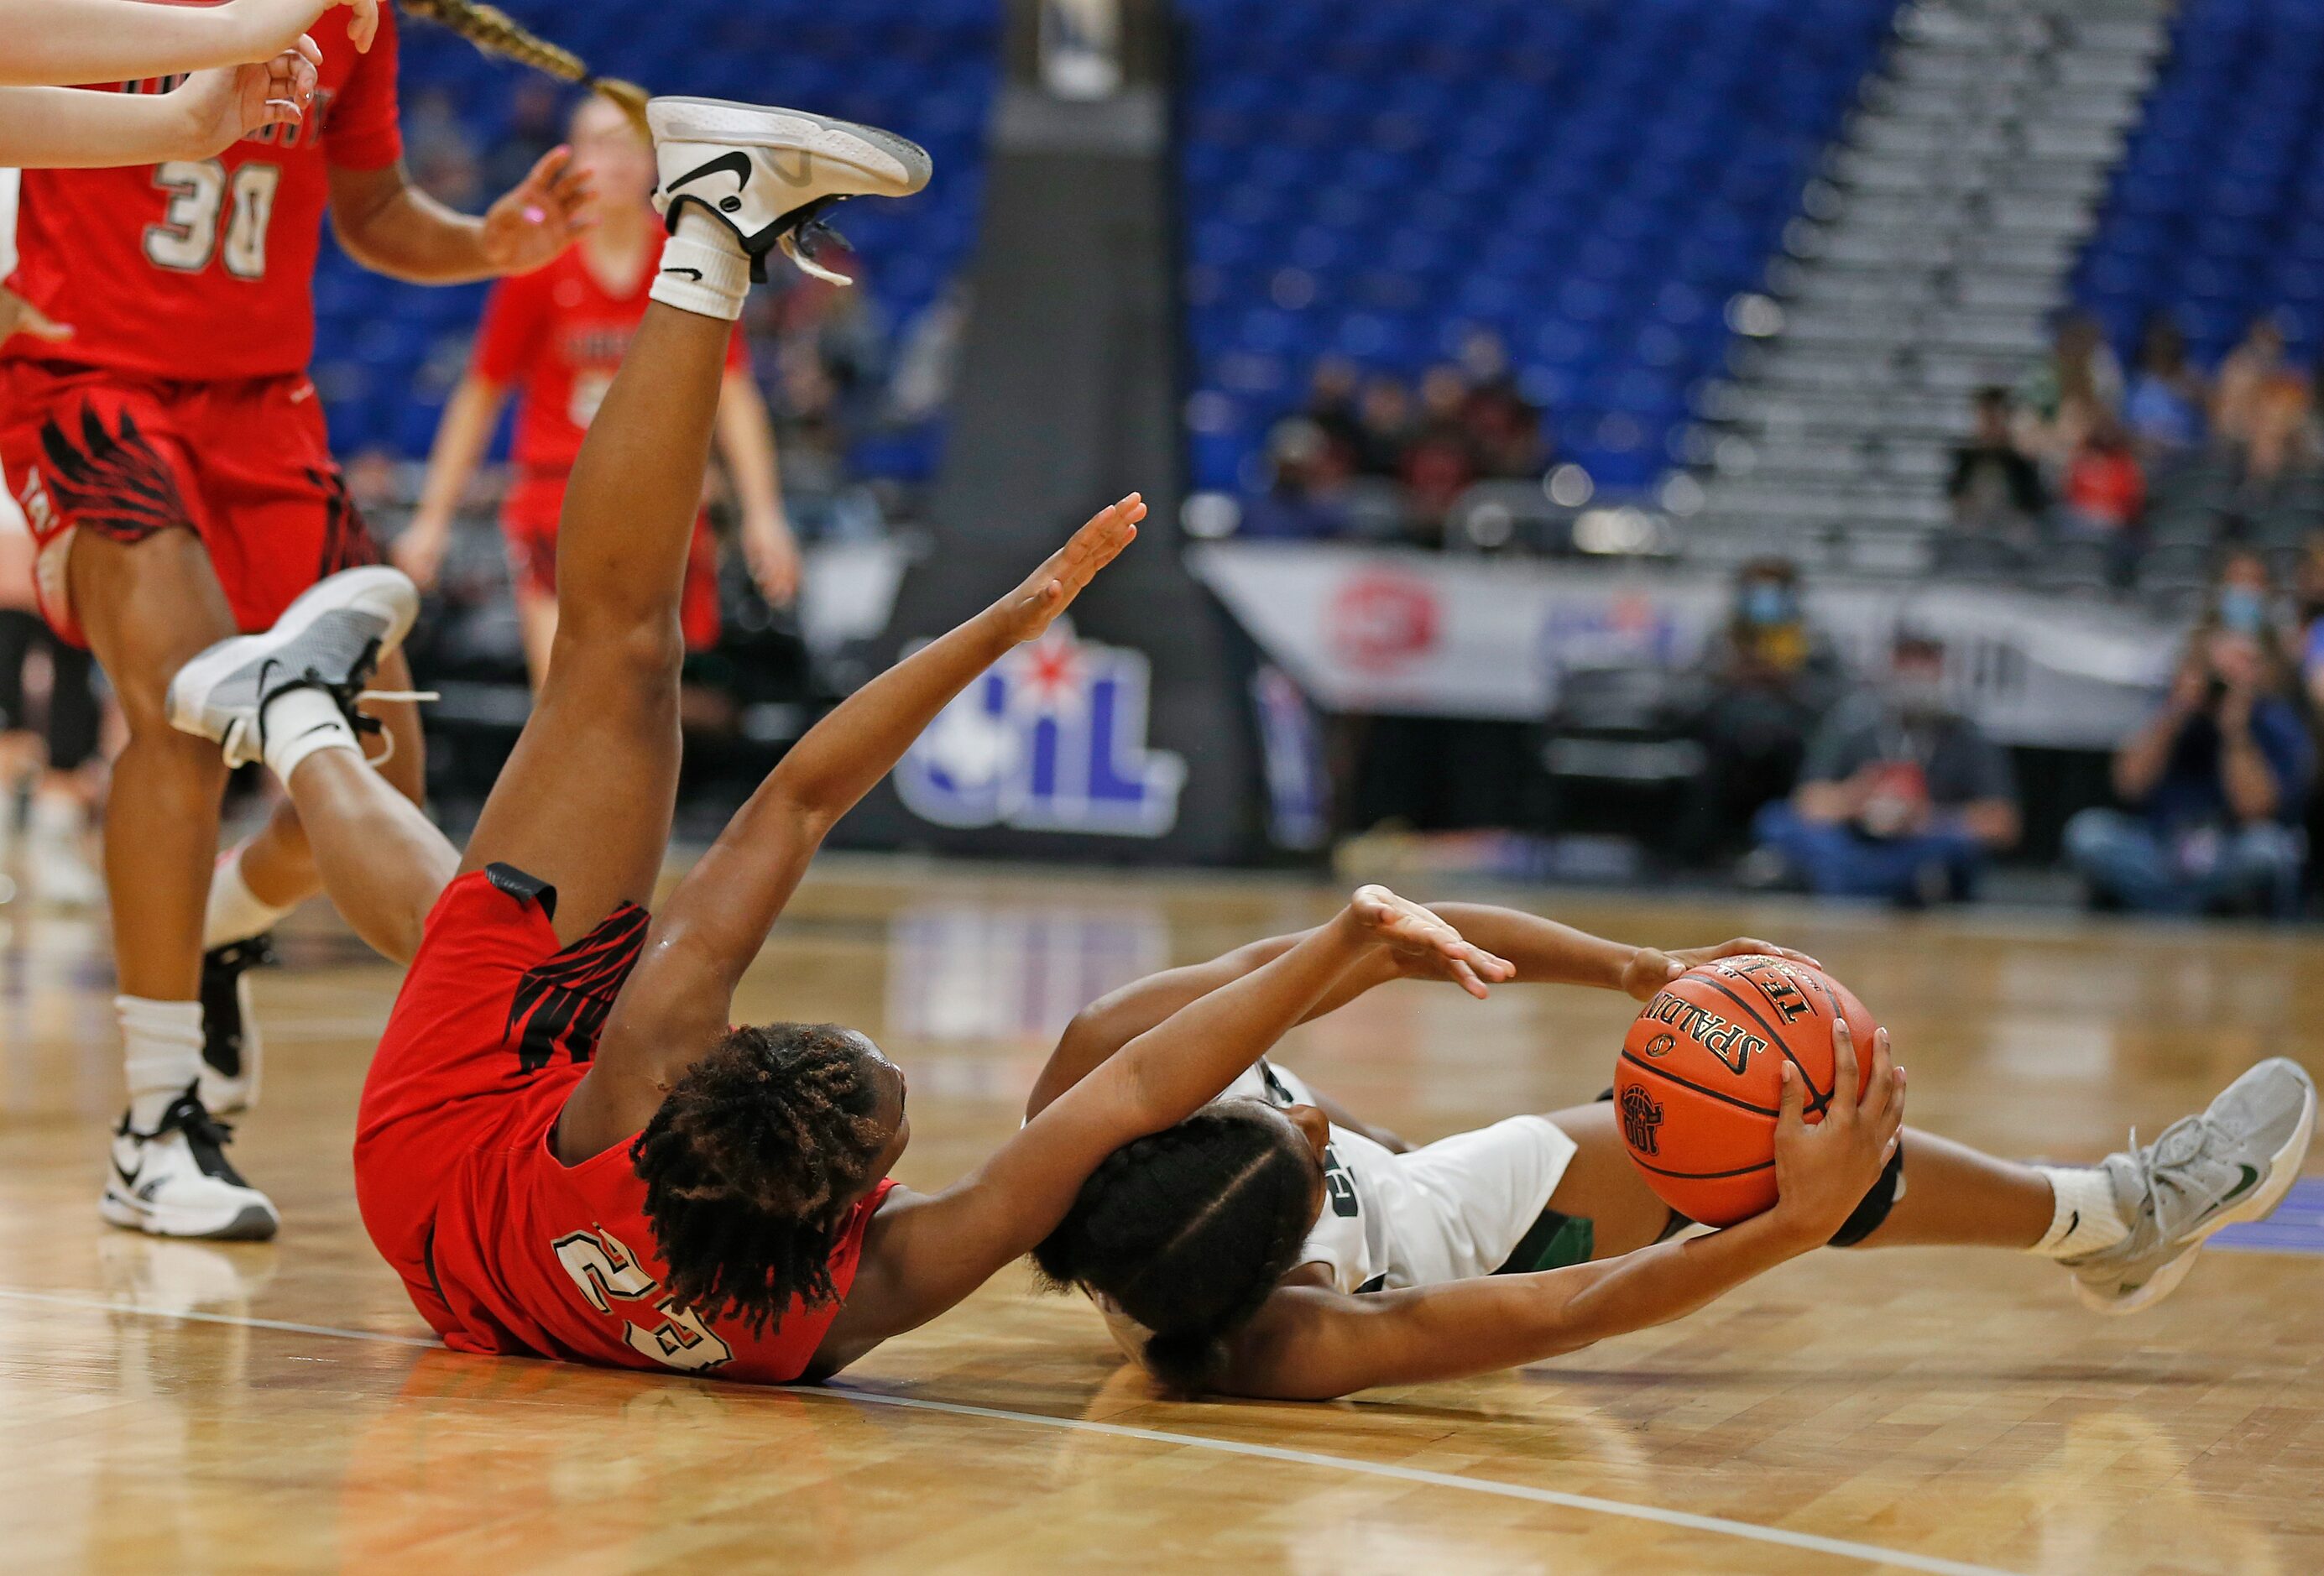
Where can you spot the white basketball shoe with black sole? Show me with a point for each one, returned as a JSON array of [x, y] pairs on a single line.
[[175, 1181], [330, 639], [2227, 1165], [771, 175]]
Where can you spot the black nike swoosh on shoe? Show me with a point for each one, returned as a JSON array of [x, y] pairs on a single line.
[[2072, 1221], [2250, 1181], [736, 164], [693, 273], [128, 1178]]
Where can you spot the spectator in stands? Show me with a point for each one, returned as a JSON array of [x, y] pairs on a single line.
[[2310, 595], [442, 155], [1504, 426], [1332, 405], [536, 122], [2165, 401], [2077, 382], [2260, 411], [1997, 491], [1901, 797], [1305, 470], [1440, 459], [1768, 678], [1383, 427], [2217, 782], [2104, 494]]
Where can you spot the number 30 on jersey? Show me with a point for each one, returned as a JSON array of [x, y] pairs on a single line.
[[207, 205], [607, 1273]]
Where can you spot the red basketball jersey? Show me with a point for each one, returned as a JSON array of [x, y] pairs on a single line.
[[534, 1256], [557, 337], [203, 270]]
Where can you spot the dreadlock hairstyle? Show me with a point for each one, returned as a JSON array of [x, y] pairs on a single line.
[[1187, 1230], [754, 1162]]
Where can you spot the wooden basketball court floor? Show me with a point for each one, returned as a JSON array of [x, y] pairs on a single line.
[[177, 1407]]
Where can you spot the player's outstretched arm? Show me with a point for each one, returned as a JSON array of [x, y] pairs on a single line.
[[923, 1253], [74, 128], [1102, 1028], [1548, 952], [1314, 1343], [675, 1002], [68, 42]]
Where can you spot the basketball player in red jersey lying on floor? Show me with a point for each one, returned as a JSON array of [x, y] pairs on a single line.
[[1274, 1246], [563, 1148]]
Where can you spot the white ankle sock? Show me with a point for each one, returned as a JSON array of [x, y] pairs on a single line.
[[297, 723], [234, 912], [2084, 1216], [161, 1046], [704, 268]]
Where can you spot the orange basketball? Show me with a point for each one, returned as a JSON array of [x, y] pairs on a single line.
[[1700, 1078]]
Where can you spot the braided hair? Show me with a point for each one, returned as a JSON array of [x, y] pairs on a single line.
[[754, 1164], [1188, 1230]]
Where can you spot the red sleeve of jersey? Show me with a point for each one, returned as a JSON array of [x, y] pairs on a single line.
[[363, 133], [516, 316]]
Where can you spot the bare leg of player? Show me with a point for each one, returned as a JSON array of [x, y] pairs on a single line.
[[536, 623], [1952, 1196], [584, 801], [147, 606]]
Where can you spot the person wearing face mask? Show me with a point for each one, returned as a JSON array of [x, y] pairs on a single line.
[[1769, 678], [2216, 784], [1901, 797]]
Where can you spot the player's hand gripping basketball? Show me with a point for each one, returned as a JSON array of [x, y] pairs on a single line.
[[1824, 1171], [1651, 968], [1424, 945], [1027, 611]]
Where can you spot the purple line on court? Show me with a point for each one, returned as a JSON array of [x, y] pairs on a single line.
[[2296, 1227]]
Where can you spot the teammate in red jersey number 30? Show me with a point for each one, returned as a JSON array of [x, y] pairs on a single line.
[[167, 447]]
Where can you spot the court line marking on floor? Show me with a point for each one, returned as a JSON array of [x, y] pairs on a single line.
[[1783, 1537]]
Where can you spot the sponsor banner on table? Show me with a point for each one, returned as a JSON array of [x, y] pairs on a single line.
[[1394, 630]]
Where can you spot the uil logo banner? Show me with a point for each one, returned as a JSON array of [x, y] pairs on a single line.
[[1051, 739]]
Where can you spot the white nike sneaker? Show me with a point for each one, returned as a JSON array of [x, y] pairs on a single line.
[[330, 639], [770, 174], [55, 867], [231, 1048], [176, 1182], [2233, 1162]]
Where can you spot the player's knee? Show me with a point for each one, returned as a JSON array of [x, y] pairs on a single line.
[[647, 653]]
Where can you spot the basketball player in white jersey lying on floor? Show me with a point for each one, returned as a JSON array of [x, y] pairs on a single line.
[[1272, 1245]]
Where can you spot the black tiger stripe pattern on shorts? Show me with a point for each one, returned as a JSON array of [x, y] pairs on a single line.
[[561, 1005], [113, 482], [348, 541]]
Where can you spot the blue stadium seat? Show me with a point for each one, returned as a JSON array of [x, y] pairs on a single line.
[[1594, 178], [2216, 211]]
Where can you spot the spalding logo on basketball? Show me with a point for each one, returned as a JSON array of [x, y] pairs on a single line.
[[1698, 1086]]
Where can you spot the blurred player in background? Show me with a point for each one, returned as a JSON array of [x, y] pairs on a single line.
[[169, 453], [557, 337]]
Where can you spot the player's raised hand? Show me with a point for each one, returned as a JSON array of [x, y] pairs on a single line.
[[19, 316], [1651, 968], [541, 216], [1425, 945], [1050, 589], [1824, 1171], [223, 107]]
